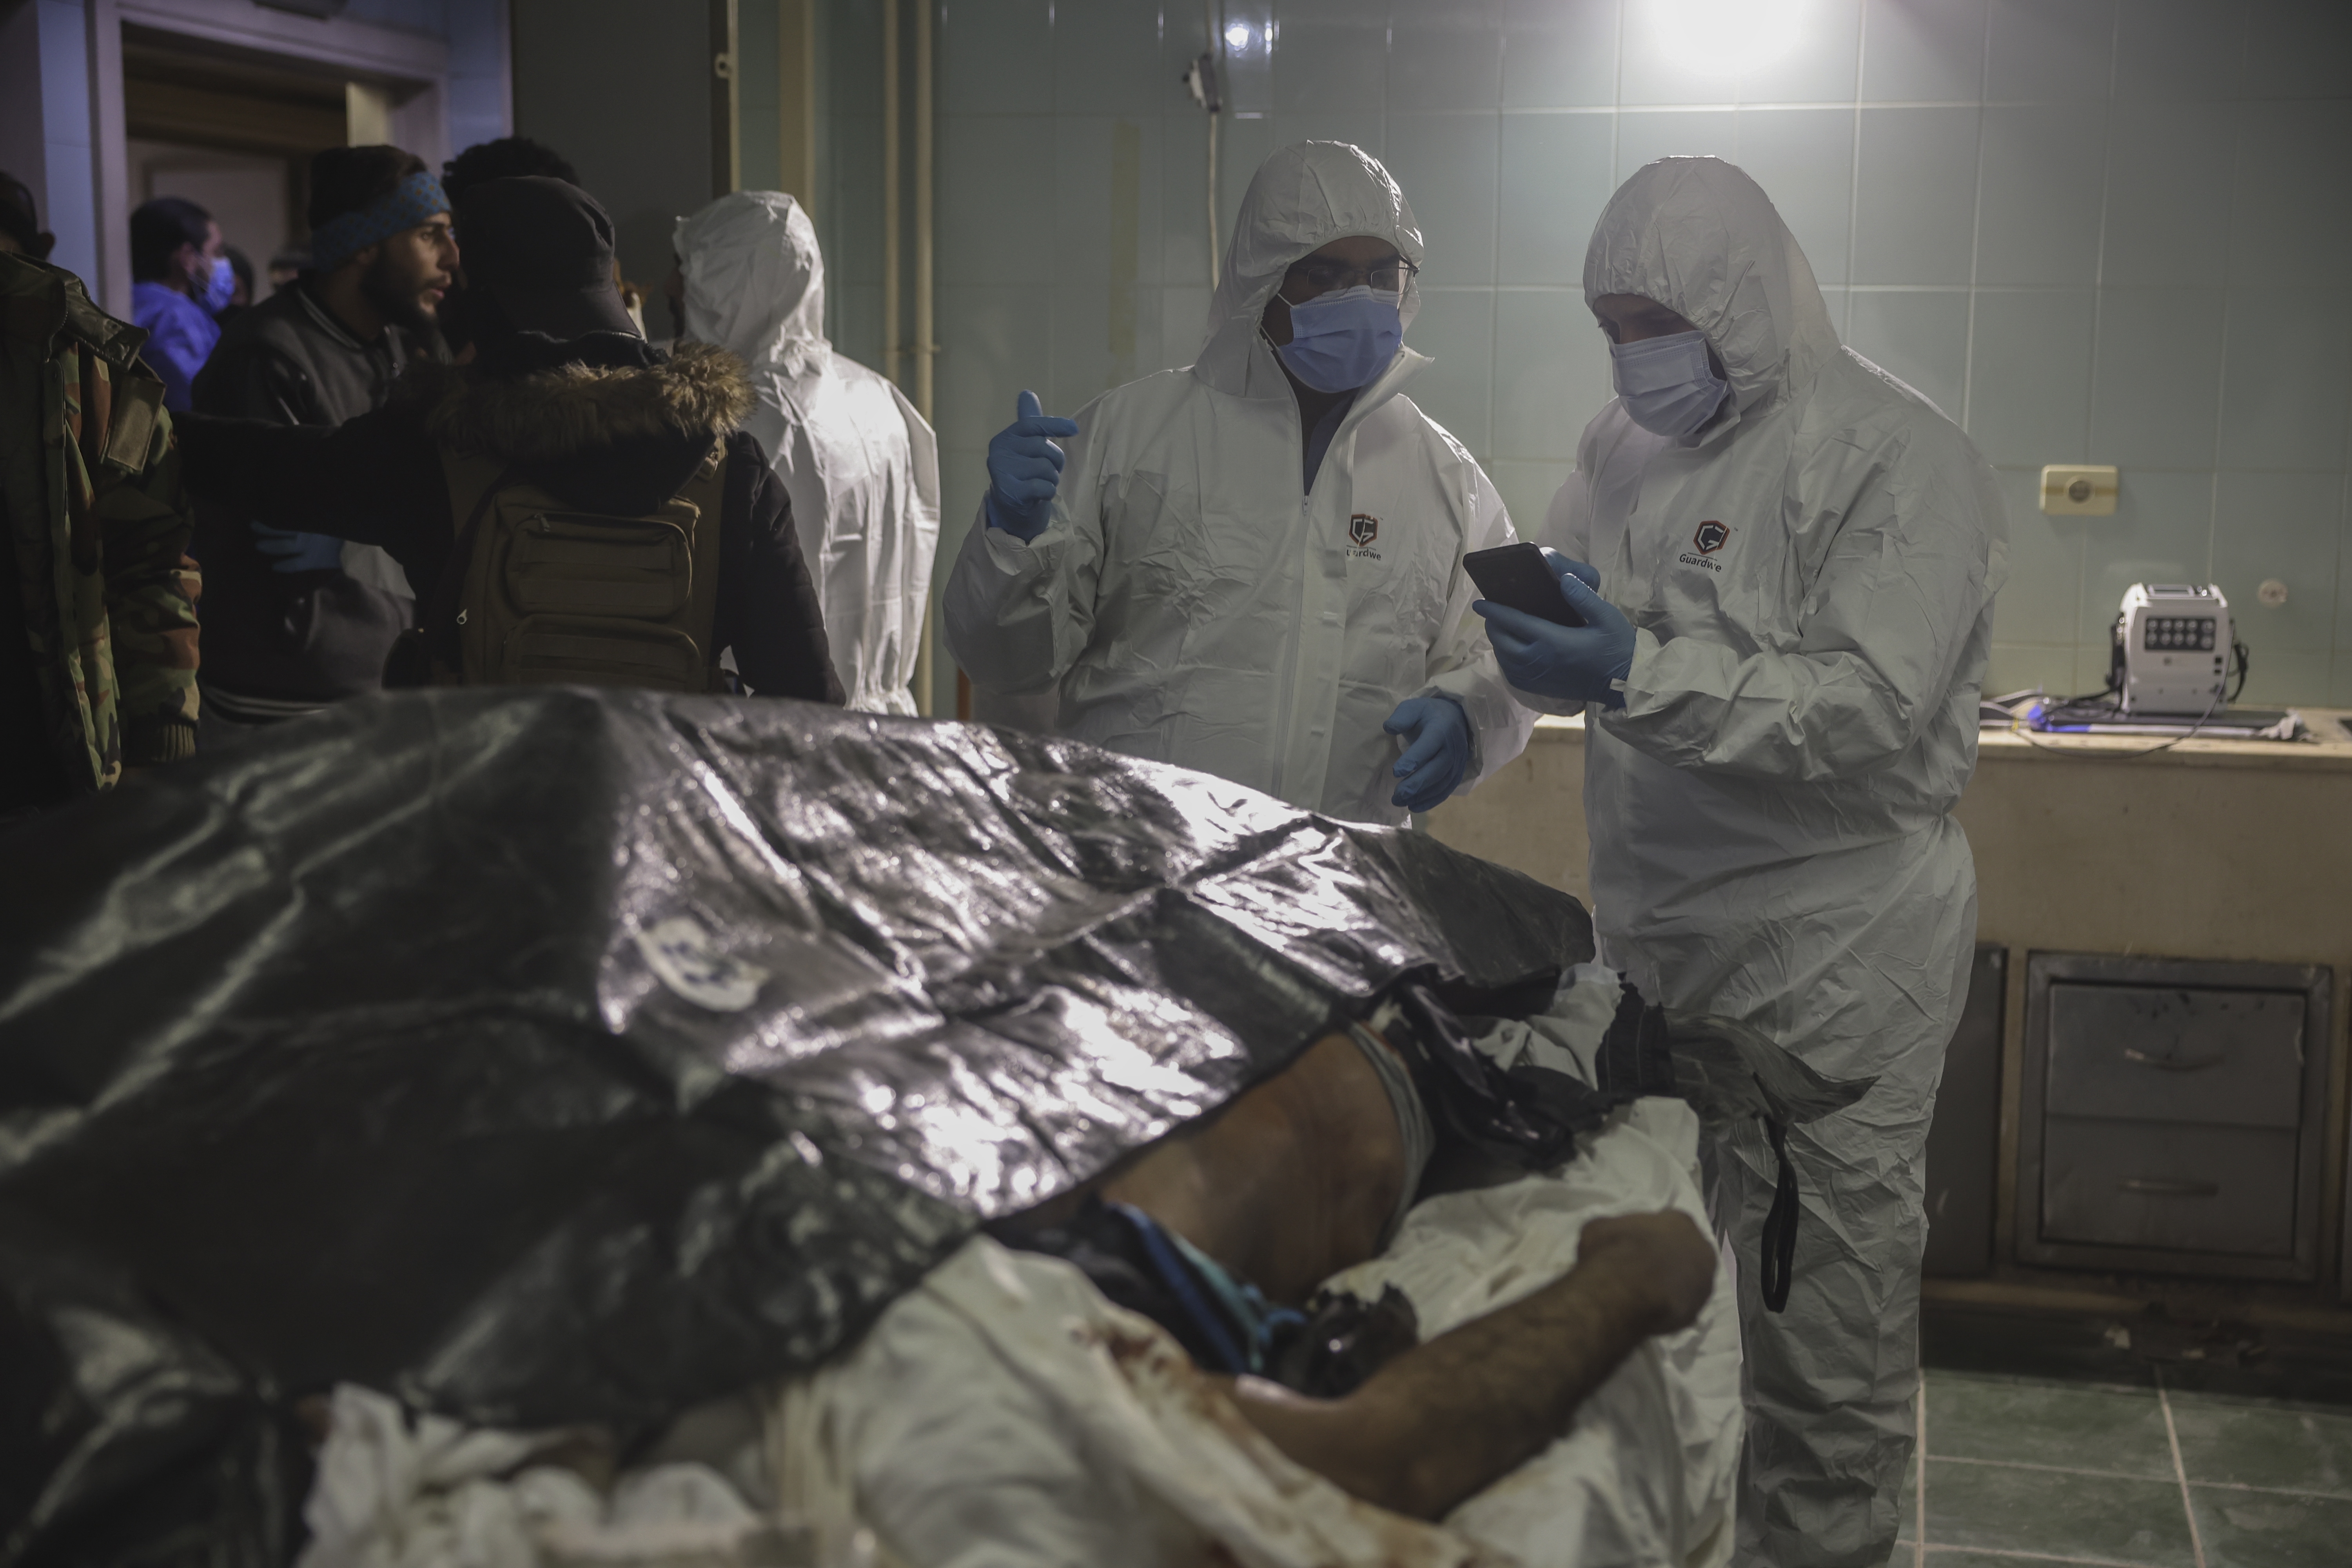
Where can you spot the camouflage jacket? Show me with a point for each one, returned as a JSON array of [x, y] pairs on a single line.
[[90, 503]]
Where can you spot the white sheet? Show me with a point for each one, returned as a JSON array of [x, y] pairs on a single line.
[[1005, 1413]]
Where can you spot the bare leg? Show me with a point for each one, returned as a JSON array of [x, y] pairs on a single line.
[[1454, 1415], [1291, 1182]]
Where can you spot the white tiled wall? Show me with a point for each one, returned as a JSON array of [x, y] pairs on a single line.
[[2091, 230]]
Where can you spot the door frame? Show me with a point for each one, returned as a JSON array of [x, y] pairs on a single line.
[[415, 66]]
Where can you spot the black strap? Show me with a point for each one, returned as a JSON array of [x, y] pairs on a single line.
[[1779, 1249]]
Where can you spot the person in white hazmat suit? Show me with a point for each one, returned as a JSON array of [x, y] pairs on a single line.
[[1253, 567], [860, 465], [1786, 560]]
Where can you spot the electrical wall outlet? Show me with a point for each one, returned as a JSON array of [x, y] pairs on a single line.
[[2079, 489]]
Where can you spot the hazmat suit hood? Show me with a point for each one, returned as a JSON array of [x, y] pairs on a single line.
[[1700, 237], [1300, 200], [755, 281]]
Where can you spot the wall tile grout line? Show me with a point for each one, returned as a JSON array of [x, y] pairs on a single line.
[[2045, 1469], [2128, 1476], [2181, 1470], [1976, 231]]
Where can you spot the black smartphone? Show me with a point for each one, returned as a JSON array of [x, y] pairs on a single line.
[[1514, 574]]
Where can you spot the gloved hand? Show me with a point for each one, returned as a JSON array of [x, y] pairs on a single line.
[[289, 552], [1437, 755], [1025, 469], [1573, 664]]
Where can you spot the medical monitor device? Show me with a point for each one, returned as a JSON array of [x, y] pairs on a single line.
[[2173, 642]]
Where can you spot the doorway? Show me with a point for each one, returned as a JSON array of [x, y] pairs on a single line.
[[224, 103], [232, 134]]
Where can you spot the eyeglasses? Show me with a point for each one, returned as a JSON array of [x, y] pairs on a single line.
[[1387, 277]]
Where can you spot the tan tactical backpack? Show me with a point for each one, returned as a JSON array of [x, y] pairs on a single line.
[[537, 590]]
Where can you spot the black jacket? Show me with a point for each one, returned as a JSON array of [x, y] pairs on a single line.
[[605, 422], [303, 636]]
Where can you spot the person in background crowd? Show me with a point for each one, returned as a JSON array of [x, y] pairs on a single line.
[[20, 225], [861, 466], [506, 158], [241, 299], [296, 620], [97, 601], [180, 281], [476, 477]]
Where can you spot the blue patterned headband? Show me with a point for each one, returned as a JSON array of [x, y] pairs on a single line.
[[418, 199]]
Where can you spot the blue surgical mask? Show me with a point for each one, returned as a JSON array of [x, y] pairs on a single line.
[[1338, 342], [1666, 385], [220, 288]]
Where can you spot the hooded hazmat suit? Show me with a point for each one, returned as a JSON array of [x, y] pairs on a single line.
[[1811, 579], [860, 465], [1193, 607]]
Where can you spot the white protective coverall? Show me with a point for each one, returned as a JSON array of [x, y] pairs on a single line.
[[1811, 581], [860, 465], [1193, 607]]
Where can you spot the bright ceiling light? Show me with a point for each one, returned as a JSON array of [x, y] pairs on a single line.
[[1725, 37], [1237, 37]]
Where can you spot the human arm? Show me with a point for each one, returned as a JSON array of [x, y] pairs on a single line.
[[179, 339], [152, 590], [375, 480], [249, 376], [1451, 1418], [1018, 612], [1884, 622], [768, 610], [1461, 664]]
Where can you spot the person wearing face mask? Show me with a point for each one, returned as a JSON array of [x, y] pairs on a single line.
[[1786, 562], [1253, 565], [295, 620], [181, 282]]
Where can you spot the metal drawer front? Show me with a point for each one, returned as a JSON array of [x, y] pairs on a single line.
[[2137, 1053], [2187, 1189]]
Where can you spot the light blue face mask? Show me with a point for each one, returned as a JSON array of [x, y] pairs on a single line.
[[1666, 385], [220, 288], [1340, 341]]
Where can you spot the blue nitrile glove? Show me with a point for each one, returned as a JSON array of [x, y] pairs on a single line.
[[1572, 664], [1436, 757], [1024, 469], [289, 552]]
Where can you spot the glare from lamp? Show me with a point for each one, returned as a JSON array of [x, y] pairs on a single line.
[[1726, 37], [1237, 37]]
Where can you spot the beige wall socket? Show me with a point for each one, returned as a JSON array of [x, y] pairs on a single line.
[[2079, 489]]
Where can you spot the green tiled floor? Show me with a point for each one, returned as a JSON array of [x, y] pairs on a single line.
[[2017, 1471]]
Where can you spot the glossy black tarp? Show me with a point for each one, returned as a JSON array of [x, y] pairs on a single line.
[[554, 1057]]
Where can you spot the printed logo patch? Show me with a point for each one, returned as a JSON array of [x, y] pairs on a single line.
[[1363, 530], [1710, 537], [687, 960]]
